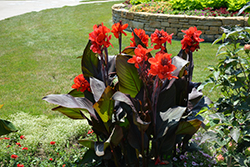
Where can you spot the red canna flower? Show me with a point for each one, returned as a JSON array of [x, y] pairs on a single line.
[[20, 165], [191, 40], [52, 142], [18, 144], [118, 28], [25, 148], [14, 156], [80, 83], [159, 38], [99, 37], [140, 56], [142, 35], [51, 159], [63, 165], [8, 146], [6, 138], [22, 137], [162, 66]]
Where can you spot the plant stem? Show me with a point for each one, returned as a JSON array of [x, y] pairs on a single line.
[[142, 147]]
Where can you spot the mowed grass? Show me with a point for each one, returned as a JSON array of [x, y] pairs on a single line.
[[39, 50]]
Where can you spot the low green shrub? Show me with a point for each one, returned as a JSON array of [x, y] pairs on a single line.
[[183, 5], [229, 125]]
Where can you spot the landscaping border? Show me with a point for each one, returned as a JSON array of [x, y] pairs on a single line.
[[210, 26]]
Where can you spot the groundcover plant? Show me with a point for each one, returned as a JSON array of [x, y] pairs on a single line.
[[141, 107]]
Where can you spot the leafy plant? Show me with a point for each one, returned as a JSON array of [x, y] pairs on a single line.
[[139, 106], [229, 125], [6, 127]]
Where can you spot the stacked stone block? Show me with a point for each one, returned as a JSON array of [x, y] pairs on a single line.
[[210, 26]]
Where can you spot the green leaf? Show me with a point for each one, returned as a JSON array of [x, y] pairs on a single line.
[[76, 93], [90, 62], [235, 134], [188, 127], [105, 106], [129, 80], [87, 143], [209, 135], [129, 51], [6, 127], [218, 116], [72, 113]]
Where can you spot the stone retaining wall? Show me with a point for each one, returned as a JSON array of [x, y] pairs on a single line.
[[210, 26]]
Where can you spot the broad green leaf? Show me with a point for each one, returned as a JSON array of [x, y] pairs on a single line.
[[235, 134], [188, 127], [68, 101], [129, 51], [105, 106], [6, 127], [209, 135], [87, 143], [90, 62], [72, 113], [76, 93], [129, 80]]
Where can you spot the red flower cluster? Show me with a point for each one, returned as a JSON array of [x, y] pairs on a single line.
[[14, 156], [191, 40], [52, 142], [140, 56], [99, 37], [18, 144], [142, 35], [162, 66], [20, 165], [118, 28], [51, 159], [159, 38], [25, 148], [80, 83], [22, 137]]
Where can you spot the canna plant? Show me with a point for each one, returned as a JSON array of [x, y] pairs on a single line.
[[141, 107]]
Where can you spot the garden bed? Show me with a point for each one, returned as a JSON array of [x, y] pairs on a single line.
[[210, 26]]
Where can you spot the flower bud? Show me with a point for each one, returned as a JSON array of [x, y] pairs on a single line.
[[247, 48], [220, 158]]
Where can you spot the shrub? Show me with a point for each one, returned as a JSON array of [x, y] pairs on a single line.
[[229, 126]]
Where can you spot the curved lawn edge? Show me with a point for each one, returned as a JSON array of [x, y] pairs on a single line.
[[210, 26]]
